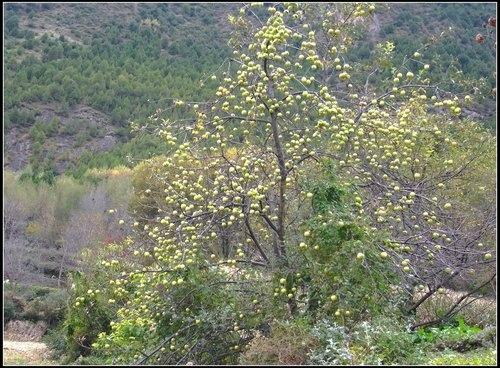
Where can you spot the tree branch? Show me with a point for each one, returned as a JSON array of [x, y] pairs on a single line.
[[453, 307]]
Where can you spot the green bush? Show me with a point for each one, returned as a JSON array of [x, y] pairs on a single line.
[[34, 303], [386, 341], [55, 339], [10, 310], [63, 350], [14, 302], [86, 317], [36, 291], [338, 240], [44, 304], [457, 336], [335, 343], [203, 306], [89, 311], [456, 331]]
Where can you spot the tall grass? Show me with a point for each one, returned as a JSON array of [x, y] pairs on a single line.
[[475, 310]]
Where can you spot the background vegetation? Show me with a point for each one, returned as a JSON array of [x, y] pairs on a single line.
[[58, 59]]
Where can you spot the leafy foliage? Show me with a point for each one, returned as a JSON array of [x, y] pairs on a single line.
[[34, 303], [448, 332]]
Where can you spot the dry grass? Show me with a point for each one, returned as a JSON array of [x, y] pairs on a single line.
[[480, 312], [26, 353], [24, 331], [288, 345]]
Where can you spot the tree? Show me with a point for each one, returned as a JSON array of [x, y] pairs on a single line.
[[416, 183], [85, 228], [12, 25], [16, 212], [235, 196], [280, 185]]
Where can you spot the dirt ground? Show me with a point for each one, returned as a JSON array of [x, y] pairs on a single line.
[[26, 353]]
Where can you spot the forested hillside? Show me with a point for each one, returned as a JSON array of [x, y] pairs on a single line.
[[264, 183], [77, 75]]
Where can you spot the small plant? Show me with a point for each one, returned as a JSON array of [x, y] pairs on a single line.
[[336, 349], [457, 331], [385, 341], [55, 339], [10, 309], [88, 314], [381, 341], [453, 339], [34, 303]]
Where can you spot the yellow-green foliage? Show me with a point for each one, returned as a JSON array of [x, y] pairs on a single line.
[[33, 228], [24, 193], [68, 194], [93, 304], [482, 357]]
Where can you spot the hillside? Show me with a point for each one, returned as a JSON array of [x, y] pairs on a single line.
[[76, 75]]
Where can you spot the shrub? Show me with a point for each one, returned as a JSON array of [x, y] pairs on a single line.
[[447, 332], [89, 311], [46, 305], [13, 302], [37, 291], [380, 341], [57, 342], [384, 341], [34, 303], [337, 239], [457, 336], [61, 349], [90, 316], [10, 310], [335, 345]]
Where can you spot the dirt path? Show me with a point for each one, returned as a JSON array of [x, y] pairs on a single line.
[[26, 353]]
